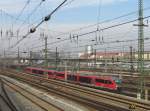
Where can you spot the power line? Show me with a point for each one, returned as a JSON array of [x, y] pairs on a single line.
[[99, 12], [108, 35], [91, 25], [21, 12], [105, 21], [106, 28], [111, 42], [47, 18], [114, 47], [41, 18], [33, 11]]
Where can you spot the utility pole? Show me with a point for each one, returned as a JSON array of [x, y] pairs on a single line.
[[46, 62], [4, 63], [105, 61], [131, 59], [18, 56], [66, 71], [95, 58], [18, 59], [4, 54], [141, 50], [56, 58], [30, 62], [141, 25]]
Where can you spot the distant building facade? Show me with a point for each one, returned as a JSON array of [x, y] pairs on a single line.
[[113, 55]]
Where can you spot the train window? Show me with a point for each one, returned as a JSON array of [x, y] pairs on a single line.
[[108, 82], [50, 72], [28, 69], [61, 75], [33, 71], [40, 72], [85, 80], [100, 80], [72, 77]]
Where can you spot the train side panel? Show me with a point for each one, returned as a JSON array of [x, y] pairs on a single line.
[[89, 80], [105, 83]]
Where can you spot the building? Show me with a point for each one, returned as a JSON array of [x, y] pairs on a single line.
[[114, 55]]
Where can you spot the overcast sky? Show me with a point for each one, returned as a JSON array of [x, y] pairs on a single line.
[[76, 14]]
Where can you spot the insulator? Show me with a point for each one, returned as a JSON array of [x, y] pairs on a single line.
[[32, 30], [96, 36], [74, 38], [77, 38], [17, 33], [47, 18], [99, 38], [7, 33], [97, 29], [70, 38], [147, 21], [41, 34], [1, 33], [102, 39]]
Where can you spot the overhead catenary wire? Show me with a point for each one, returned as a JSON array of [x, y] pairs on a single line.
[[109, 19], [11, 16], [105, 21], [110, 42], [118, 41], [98, 49], [21, 20], [115, 47], [90, 32], [99, 12], [47, 18], [40, 18], [33, 11], [22, 10], [94, 31]]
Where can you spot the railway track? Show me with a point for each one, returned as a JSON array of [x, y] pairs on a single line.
[[6, 100], [95, 98], [40, 103], [66, 93], [96, 105]]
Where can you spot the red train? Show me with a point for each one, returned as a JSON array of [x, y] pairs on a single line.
[[94, 81]]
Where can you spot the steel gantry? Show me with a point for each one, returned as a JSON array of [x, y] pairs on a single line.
[[141, 49]]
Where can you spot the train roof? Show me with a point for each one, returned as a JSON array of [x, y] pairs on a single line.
[[62, 72], [97, 77], [37, 68]]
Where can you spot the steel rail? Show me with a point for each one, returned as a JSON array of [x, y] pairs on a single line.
[[6, 98], [73, 96], [103, 108], [127, 101], [7, 103], [26, 96]]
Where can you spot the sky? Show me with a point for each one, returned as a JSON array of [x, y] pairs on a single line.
[[73, 15]]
